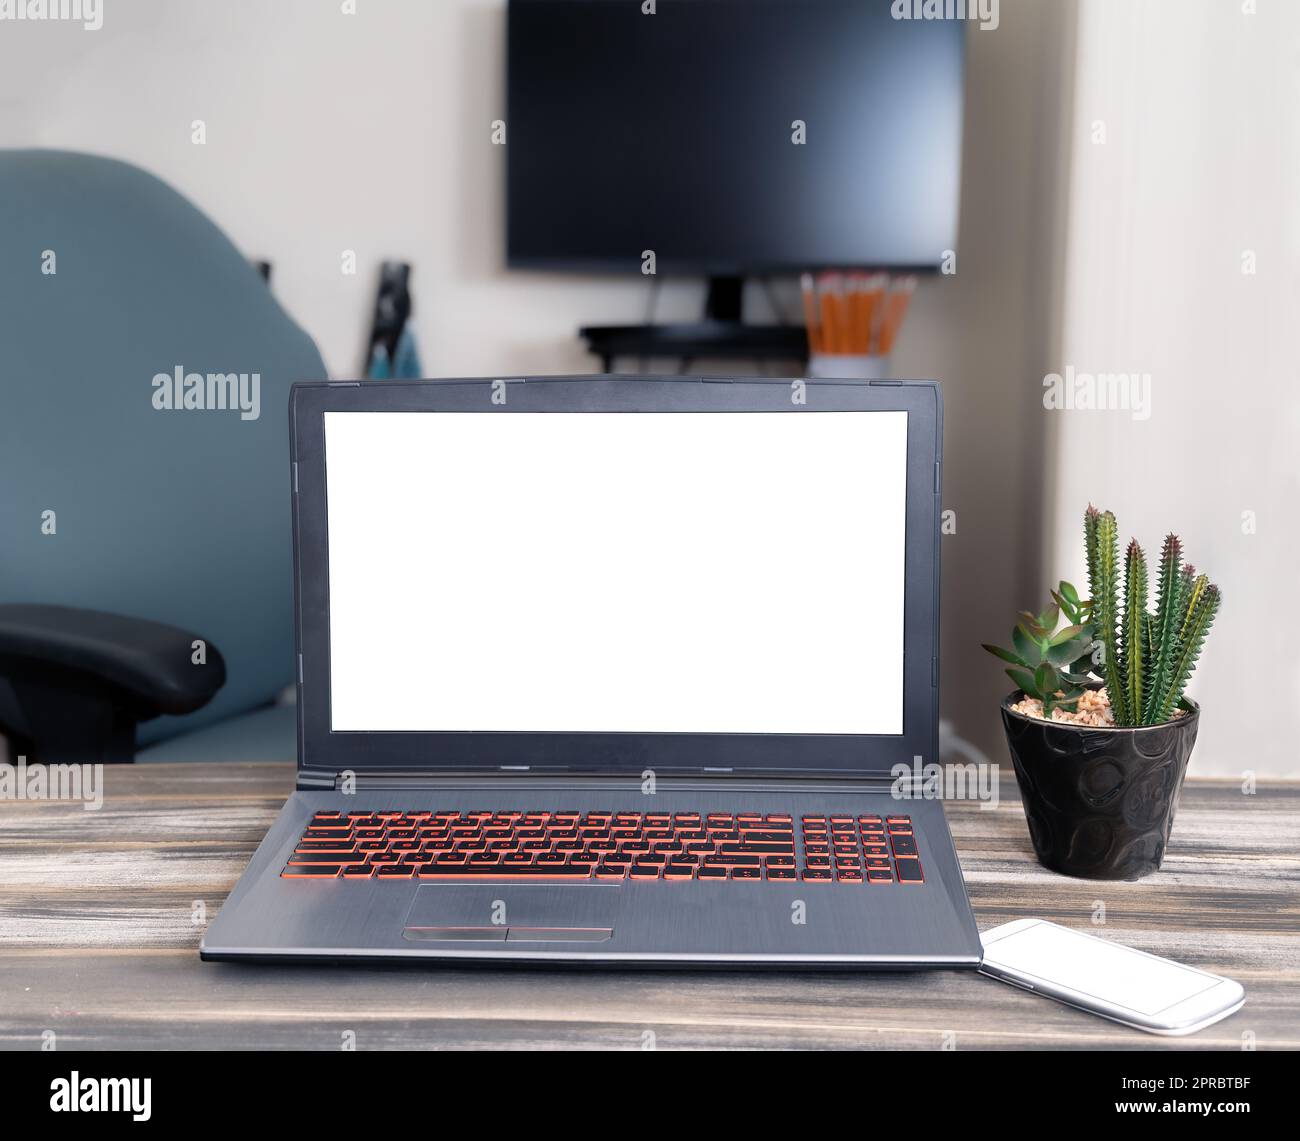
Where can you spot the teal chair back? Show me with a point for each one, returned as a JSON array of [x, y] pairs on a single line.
[[110, 499]]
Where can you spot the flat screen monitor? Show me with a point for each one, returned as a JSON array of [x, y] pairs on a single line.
[[731, 137]]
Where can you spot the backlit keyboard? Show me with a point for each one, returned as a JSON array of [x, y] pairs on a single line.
[[568, 846]]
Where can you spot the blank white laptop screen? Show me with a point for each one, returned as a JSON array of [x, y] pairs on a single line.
[[616, 572]]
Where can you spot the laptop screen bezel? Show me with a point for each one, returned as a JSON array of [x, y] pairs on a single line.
[[323, 753]]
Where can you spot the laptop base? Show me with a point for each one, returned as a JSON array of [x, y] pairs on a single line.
[[629, 922]]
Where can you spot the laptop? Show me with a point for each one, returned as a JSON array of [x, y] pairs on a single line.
[[612, 671]]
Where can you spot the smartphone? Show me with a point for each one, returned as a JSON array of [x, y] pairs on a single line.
[[1140, 990]]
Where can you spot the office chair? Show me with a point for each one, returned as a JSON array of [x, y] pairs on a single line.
[[146, 586]]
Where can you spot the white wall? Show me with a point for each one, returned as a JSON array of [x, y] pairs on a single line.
[[371, 132], [1201, 162]]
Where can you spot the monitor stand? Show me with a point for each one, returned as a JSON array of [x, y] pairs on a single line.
[[725, 299], [722, 334]]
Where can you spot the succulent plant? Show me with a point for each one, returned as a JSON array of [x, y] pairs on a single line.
[[1050, 664], [1145, 659]]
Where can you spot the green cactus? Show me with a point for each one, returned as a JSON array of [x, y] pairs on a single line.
[[1202, 607], [1146, 659], [1101, 538], [1169, 594], [1132, 659]]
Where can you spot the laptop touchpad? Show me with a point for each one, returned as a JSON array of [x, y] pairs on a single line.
[[515, 913]]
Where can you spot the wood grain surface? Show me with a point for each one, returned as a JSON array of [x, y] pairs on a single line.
[[101, 914]]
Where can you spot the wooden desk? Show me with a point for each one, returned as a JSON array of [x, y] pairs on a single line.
[[98, 942]]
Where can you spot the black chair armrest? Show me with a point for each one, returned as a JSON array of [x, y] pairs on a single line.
[[82, 679]]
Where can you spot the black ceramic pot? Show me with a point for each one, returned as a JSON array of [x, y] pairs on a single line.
[[1099, 802]]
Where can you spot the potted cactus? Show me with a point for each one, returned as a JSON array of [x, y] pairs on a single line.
[[1100, 730]]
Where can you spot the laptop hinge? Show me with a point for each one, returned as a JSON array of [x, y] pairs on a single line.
[[360, 782]]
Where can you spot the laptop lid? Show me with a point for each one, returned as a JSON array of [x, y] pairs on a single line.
[[614, 575]]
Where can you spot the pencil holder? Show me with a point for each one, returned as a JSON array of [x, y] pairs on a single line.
[[847, 366]]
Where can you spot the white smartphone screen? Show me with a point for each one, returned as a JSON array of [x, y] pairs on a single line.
[[1118, 975]]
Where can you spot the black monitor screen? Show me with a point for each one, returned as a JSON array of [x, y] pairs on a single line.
[[678, 131]]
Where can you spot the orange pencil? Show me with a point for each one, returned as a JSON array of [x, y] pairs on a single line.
[[896, 309], [850, 312], [875, 294], [833, 312], [861, 315], [844, 334]]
